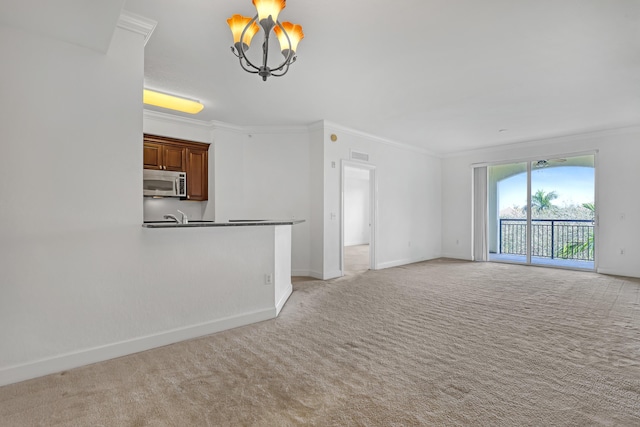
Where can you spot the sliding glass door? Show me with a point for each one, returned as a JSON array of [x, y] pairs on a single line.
[[543, 212]]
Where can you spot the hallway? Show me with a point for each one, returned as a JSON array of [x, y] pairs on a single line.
[[356, 259]]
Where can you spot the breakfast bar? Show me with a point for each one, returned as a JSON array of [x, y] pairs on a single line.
[[244, 266]]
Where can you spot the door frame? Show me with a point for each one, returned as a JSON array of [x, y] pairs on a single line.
[[373, 210]]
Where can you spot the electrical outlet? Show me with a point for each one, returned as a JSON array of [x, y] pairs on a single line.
[[268, 279]]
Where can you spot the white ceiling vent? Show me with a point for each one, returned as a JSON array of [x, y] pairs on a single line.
[[357, 155]]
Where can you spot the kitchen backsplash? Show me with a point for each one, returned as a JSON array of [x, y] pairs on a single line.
[[155, 209]]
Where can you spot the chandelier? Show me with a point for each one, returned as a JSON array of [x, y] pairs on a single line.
[[244, 28]]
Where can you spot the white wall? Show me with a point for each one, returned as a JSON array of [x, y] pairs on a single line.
[[317, 198], [265, 175], [70, 185], [408, 200], [286, 173], [282, 262], [80, 279], [617, 177], [356, 207]]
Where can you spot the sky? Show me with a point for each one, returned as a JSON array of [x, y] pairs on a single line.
[[573, 185]]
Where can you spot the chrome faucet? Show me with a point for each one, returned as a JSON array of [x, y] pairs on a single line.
[[185, 219], [173, 217]]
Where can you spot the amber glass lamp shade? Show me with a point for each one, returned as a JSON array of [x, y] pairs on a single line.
[[295, 35], [269, 7], [237, 23]]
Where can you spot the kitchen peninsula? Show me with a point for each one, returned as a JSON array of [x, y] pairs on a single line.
[[242, 267]]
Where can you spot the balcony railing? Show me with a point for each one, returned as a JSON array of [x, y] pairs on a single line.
[[550, 238]]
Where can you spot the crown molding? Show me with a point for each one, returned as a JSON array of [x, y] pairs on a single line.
[[361, 134], [137, 24], [290, 129], [214, 125], [319, 125], [171, 118], [218, 125], [548, 140], [271, 129]]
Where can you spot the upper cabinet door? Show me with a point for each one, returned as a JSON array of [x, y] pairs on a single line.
[[174, 158], [197, 174], [153, 158], [164, 157]]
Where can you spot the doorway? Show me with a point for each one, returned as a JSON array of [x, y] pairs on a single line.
[[357, 218], [543, 212]]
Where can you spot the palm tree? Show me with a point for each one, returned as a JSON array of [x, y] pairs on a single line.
[[541, 201], [591, 207]]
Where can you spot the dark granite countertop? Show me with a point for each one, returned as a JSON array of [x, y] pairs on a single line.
[[230, 223]]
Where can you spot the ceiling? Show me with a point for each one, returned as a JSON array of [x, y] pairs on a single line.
[[443, 75], [86, 23]]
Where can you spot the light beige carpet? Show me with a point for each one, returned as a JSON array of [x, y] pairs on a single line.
[[435, 343]]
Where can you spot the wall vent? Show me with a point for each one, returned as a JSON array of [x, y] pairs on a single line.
[[357, 155]]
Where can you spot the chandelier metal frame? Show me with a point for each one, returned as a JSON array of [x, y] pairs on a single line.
[[264, 70]]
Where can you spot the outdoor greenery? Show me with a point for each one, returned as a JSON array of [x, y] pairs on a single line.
[[569, 250], [554, 233], [550, 210], [541, 201]]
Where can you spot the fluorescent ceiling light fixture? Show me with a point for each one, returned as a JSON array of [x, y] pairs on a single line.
[[171, 102]]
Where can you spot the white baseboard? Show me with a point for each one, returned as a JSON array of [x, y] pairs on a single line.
[[327, 276], [623, 273], [399, 262], [456, 256], [284, 299], [38, 368], [315, 274]]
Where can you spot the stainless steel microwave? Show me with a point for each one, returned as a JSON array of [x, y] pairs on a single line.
[[164, 183]]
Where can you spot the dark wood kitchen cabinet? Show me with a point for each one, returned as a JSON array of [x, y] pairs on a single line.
[[153, 158], [171, 154], [197, 173], [164, 157]]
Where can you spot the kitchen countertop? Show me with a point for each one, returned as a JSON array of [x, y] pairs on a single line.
[[230, 223]]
